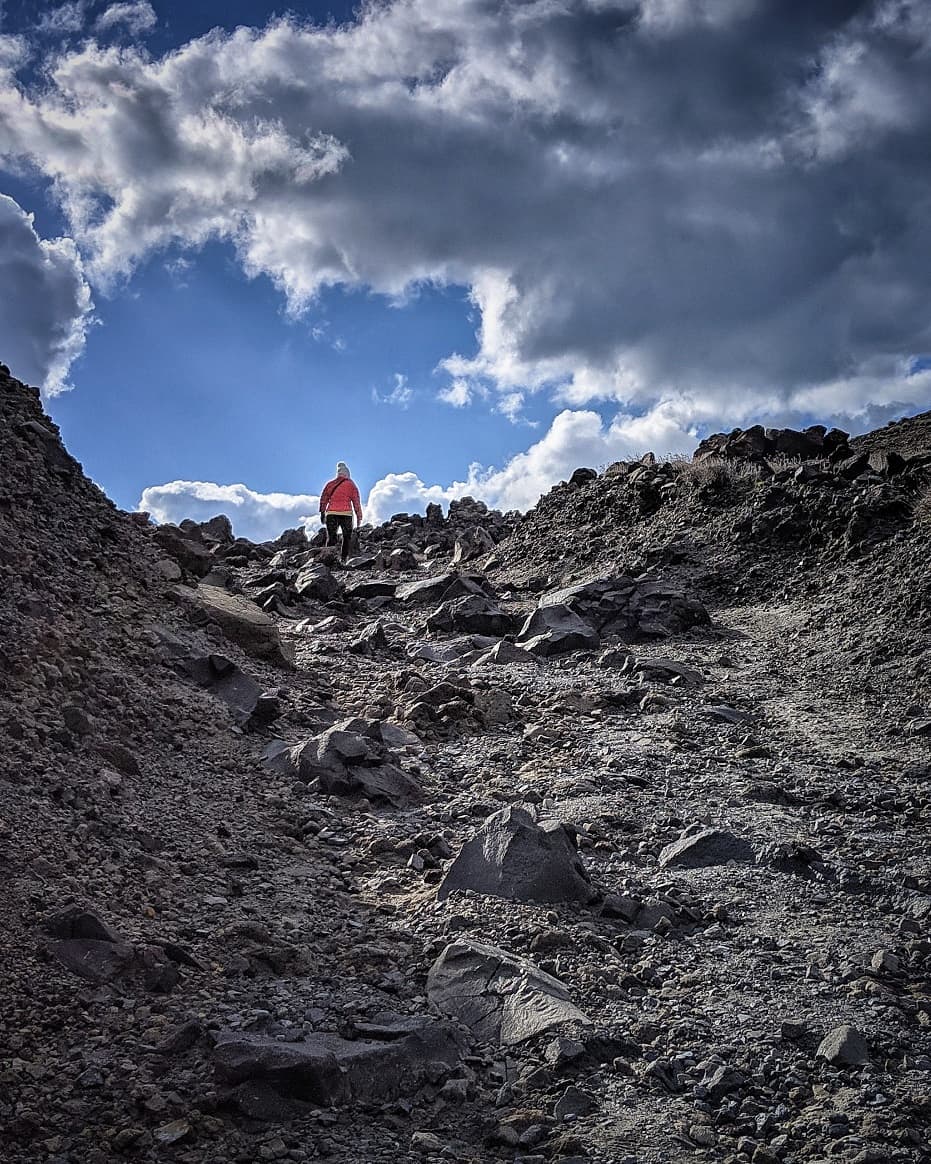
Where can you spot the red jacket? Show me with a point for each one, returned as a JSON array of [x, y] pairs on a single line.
[[341, 496]]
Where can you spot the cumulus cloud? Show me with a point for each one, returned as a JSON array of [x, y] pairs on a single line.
[[257, 516], [718, 202], [136, 17], [45, 303], [458, 394]]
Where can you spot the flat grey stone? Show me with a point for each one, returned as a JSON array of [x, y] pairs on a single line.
[[243, 623], [327, 1069], [498, 996]]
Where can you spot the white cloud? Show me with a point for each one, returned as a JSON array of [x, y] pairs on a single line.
[[578, 438], [45, 303], [136, 17], [649, 200], [458, 394], [400, 395], [14, 53], [405, 493], [257, 516], [64, 20]]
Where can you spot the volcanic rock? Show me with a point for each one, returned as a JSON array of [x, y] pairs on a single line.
[[632, 609], [190, 553], [250, 705], [504, 652], [474, 614], [556, 630], [347, 761], [317, 580], [442, 587], [326, 1069], [844, 1046], [695, 850], [499, 997], [244, 624], [471, 544], [514, 857]]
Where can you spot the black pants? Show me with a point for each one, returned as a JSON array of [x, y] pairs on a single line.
[[334, 523]]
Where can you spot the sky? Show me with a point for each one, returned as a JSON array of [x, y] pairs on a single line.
[[463, 245]]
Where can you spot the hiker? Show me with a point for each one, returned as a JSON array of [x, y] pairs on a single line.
[[337, 502]]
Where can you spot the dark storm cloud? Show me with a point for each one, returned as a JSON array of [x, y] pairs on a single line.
[[716, 205]]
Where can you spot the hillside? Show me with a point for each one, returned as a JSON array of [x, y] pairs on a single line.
[[596, 835]]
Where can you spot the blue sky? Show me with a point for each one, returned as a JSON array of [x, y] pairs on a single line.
[[463, 246]]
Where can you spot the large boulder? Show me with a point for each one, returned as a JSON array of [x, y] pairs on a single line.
[[441, 587], [325, 1069], [189, 552], [844, 1046], [695, 850], [471, 544], [515, 857], [351, 758], [218, 530], [556, 630], [243, 623], [317, 581], [474, 614], [367, 588], [500, 998], [504, 652], [630, 608]]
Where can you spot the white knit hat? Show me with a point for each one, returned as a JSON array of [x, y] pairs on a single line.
[[342, 469]]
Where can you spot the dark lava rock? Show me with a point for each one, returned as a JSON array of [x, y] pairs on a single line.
[[251, 707], [556, 630], [498, 996], [97, 961], [844, 1046], [441, 587], [705, 847], [631, 608], [316, 580], [474, 614], [327, 1069], [514, 857], [352, 759]]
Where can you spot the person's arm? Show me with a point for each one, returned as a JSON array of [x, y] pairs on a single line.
[[325, 500], [357, 503]]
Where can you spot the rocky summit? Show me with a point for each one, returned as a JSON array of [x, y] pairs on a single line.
[[599, 833]]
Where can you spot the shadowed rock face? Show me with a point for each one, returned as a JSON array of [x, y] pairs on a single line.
[[514, 857], [328, 1069], [499, 997], [631, 608], [556, 629]]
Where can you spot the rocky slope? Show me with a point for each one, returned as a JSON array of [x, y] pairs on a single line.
[[598, 835]]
